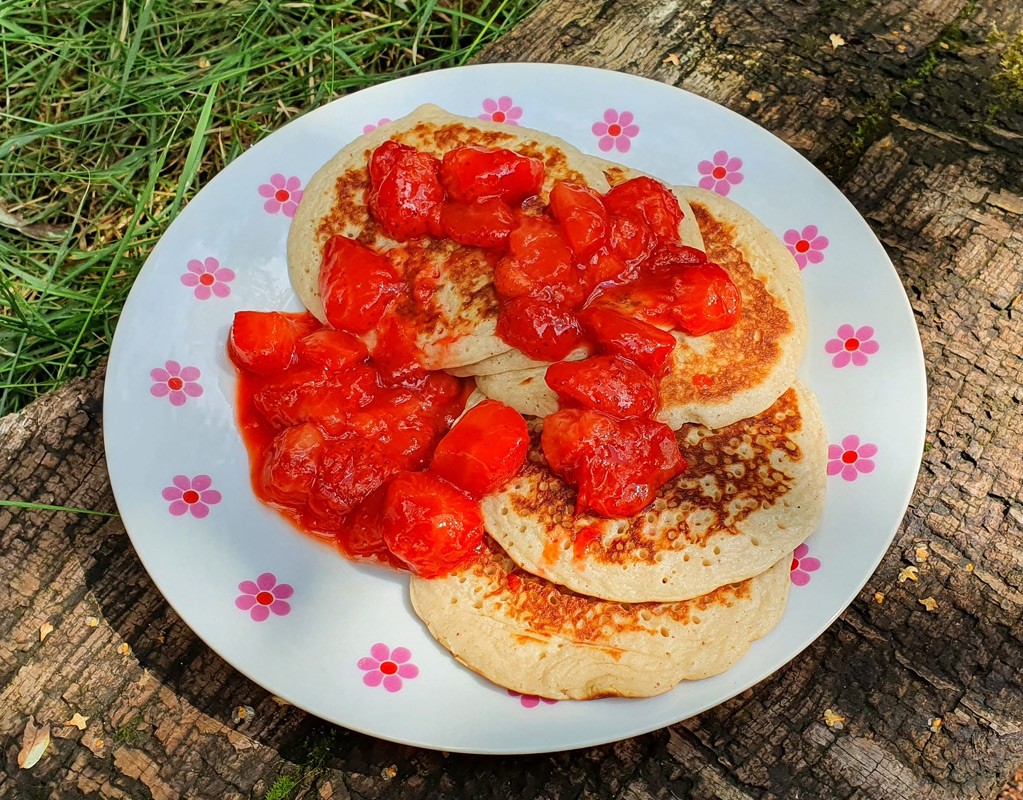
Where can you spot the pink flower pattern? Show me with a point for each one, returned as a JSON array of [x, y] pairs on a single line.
[[807, 246], [387, 667], [851, 458], [175, 382], [207, 278], [371, 127], [264, 595], [283, 194], [616, 131], [530, 700], [191, 495], [852, 346], [802, 565], [721, 173], [503, 109]]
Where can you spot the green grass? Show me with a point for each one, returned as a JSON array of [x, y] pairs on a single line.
[[282, 788], [115, 112]]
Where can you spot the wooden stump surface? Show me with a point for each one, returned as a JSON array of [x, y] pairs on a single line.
[[912, 119]]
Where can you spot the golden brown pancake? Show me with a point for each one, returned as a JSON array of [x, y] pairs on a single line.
[[751, 493], [727, 375], [735, 373], [535, 637], [452, 303]]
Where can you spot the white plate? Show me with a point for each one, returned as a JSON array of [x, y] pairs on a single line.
[[332, 621]]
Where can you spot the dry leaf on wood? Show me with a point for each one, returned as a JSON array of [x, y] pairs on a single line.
[[33, 744]]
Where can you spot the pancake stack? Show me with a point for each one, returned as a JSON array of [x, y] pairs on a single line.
[[569, 605]]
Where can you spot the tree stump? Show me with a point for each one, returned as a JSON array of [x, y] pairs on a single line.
[[908, 107]]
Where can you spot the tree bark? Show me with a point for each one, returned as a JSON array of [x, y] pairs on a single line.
[[908, 119]]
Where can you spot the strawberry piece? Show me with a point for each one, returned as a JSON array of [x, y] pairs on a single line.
[[405, 193], [330, 351], [486, 447], [356, 285], [646, 200], [406, 425], [486, 223], [616, 466], [645, 298], [540, 328], [350, 469], [610, 384], [668, 258], [429, 525], [264, 342], [606, 267], [470, 174], [539, 259], [631, 239], [309, 396], [581, 215], [290, 464], [396, 355], [361, 535], [706, 299], [638, 341], [383, 159]]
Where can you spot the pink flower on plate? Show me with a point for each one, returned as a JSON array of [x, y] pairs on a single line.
[[851, 458], [264, 595], [721, 173], [283, 194], [207, 278], [176, 382], [387, 666], [530, 700], [852, 346], [616, 131], [807, 246], [191, 495], [503, 109], [371, 127], [802, 566]]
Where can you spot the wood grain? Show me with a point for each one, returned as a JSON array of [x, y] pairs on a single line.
[[900, 117]]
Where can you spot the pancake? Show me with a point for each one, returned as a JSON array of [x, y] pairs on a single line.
[[704, 384], [751, 493], [732, 374], [515, 361], [452, 303], [525, 390], [534, 637], [512, 361]]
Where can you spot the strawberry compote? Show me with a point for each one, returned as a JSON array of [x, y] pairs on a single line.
[[356, 444]]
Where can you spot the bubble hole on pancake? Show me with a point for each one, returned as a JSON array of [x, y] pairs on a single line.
[[531, 636], [452, 303], [751, 493]]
